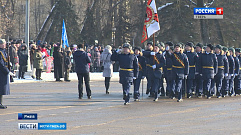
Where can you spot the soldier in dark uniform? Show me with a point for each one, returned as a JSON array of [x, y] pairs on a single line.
[[149, 68], [168, 73], [161, 87], [156, 63], [141, 74], [231, 65], [237, 80], [4, 73], [236, 71], [128, 69], [193, 59], [223, 70], [180, 69], [198, 79], [208, 67]]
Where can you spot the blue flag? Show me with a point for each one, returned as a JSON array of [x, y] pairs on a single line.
[[64, 36]]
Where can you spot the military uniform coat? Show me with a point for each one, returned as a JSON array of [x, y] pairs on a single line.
[[223, 67], [158, 60], [142, 66], [208, 65], [180, 65], [168, 73], [4, 77], [193, 59], [126, 61]]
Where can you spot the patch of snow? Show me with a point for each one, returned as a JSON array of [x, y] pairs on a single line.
[[163, 6]]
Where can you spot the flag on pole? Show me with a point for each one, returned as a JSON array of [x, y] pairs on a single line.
[[151, 24], [64, 36]]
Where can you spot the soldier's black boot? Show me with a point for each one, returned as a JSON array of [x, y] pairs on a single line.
[[209, 95], [219, 95], [126, 98], [172, 95], [147, 91], [189, 95], [180, 97]]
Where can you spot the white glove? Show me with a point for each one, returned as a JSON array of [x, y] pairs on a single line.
[[226, 75], [11, 74], [167, 48], [236, 74], [154, 66], [232, 74], [201, 74], [119, 50], [153, 53], [185, 76], [134, 78]]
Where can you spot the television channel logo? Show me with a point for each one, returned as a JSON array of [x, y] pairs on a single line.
[[208, 13]]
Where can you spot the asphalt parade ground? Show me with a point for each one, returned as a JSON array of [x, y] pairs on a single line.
[[57, 102]]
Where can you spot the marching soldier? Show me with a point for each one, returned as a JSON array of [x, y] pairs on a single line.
[[236, 71], [4, 73], [198, 78], [149, 48], [161, 87], [207, 68], [193, 59], [180, 69], [237, 80], [142, 72], [231, 66], [168, 73], [128, 69], [156, 62], [222, 70]]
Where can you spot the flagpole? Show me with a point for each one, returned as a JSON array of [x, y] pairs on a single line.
[[153, 48]]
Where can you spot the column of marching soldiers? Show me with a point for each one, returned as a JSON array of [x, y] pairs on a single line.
[[194, 70], [188, 69]]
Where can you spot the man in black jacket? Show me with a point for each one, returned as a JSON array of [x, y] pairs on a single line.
[[82, 61]]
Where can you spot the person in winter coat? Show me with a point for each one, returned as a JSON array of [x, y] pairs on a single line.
[[96, 60], [13, 55], [58, 63], [82, 69], [23, 60], [33, 47], [4, 73], [105, 58], [68, 65], [38, 63]]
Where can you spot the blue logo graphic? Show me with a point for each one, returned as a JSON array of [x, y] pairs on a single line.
[[52, 126], [205, 11], [27, 116]]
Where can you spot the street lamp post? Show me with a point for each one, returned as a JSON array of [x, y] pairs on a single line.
[[113, 36], [27, 30]]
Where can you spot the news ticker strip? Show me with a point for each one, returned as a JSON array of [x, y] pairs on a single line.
[[208, 16], [42, 126]]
